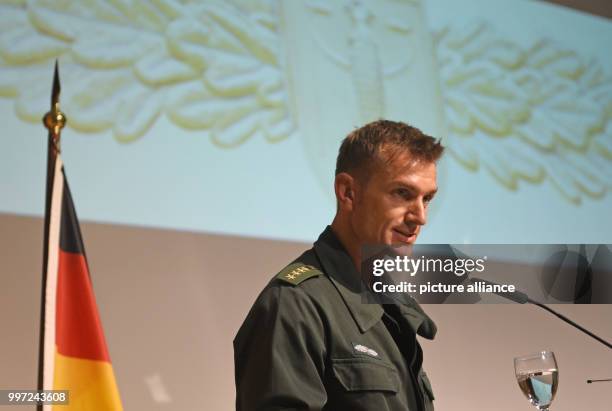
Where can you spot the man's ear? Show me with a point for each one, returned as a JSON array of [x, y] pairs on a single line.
[[344, 186]]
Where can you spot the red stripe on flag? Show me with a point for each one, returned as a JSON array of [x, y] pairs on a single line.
[[78, 327]]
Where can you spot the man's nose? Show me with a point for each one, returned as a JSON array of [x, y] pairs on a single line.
[[417, 214]]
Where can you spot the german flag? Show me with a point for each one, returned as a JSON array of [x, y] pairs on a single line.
[[73, 353]]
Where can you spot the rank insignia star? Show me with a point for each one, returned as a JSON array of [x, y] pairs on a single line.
[[297, 272]]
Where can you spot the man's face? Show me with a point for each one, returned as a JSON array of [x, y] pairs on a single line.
[[391, 206]]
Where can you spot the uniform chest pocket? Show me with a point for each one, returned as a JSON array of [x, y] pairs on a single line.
[[363, 374]]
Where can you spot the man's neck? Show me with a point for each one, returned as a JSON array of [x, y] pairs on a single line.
[[343, 231]]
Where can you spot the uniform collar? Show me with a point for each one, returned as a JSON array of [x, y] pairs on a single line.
[[340, 268], [420, 322]]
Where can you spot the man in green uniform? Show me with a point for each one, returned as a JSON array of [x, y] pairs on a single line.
[[309, 342]]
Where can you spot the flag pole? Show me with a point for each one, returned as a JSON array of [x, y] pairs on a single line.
[[54, 121]]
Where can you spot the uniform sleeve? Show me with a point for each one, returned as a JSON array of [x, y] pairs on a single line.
[[279, 353]]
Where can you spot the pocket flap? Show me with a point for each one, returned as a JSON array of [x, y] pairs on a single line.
[[362, 374]]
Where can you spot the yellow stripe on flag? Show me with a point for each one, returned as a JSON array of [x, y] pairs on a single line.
[[91, 384]]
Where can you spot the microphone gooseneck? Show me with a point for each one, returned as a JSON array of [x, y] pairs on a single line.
[[523, 298]]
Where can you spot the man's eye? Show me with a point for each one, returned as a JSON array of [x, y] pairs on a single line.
[[403, 193]]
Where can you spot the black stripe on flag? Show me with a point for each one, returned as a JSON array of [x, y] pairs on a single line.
[[70, 233]]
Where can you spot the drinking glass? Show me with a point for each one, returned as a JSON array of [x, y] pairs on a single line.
[[538, 377]]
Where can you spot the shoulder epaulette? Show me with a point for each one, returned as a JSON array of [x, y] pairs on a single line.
[[297, 272]]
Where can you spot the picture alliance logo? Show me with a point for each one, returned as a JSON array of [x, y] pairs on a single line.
[[423, 264]]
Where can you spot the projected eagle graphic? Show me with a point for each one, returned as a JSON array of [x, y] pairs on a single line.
[[233, 71]]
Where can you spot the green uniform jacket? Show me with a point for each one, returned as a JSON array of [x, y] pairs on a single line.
[[309, 343]]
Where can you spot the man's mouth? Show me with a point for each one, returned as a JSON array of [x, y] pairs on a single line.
[[405, 236]]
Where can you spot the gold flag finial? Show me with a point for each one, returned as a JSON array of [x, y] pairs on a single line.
[[55, 120]]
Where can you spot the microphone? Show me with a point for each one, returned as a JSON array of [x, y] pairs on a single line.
[[523, 298]]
